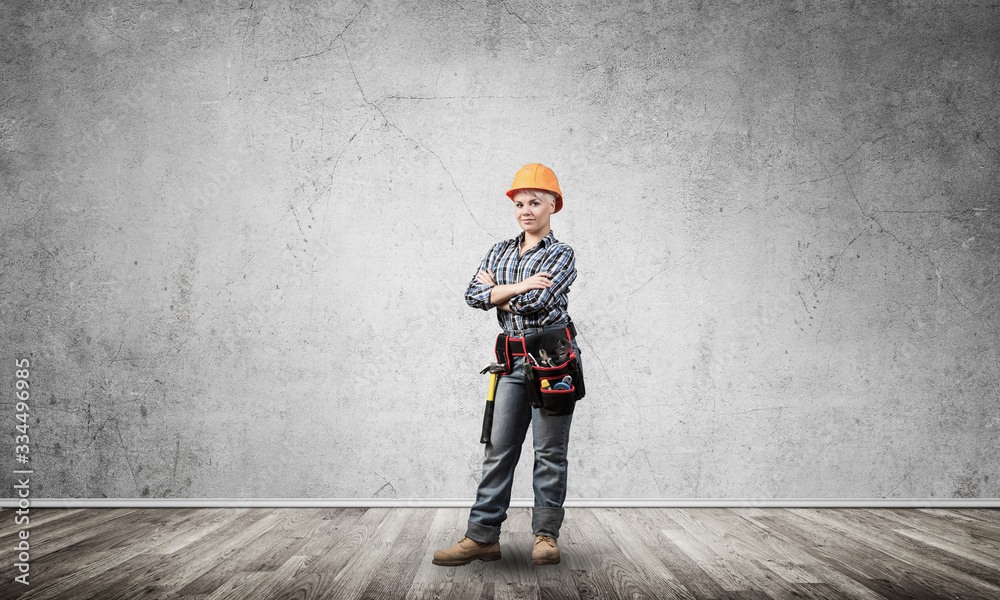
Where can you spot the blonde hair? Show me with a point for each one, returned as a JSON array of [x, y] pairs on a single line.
[[540, 194]]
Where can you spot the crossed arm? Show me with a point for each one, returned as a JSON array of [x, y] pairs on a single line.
[[533, 294], [500, 295]]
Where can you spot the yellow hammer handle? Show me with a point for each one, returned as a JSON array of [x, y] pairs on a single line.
[[493, 387]]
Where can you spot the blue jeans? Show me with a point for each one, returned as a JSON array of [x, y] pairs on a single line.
[[512, 412]]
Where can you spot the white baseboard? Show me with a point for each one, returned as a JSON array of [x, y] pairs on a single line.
[[519, 502]]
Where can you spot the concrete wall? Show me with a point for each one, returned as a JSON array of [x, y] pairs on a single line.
[[235, 241]]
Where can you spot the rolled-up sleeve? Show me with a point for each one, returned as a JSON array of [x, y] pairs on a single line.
[[477, 295], [561, 265]]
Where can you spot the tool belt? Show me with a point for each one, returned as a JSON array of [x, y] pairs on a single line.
[[548, 357]]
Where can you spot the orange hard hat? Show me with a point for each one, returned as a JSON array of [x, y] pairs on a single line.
[[536, 177]]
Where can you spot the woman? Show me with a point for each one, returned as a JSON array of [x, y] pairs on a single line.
[[526, 279]]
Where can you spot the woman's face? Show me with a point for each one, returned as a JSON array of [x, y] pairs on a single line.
[[531, 213]]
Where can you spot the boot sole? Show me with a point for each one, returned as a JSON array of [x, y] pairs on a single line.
[[457, 563], [545, 561]]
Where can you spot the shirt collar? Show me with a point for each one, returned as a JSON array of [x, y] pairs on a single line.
[[545, 242]]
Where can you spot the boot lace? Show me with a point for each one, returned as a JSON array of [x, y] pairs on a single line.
[[544, 538], [472, 540]]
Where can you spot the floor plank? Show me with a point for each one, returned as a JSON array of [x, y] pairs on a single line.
[[649, 576], [404, 557], [863, 559], [607, 553], [933, 563]]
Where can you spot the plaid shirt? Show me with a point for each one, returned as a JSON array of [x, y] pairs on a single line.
[[535, 308]]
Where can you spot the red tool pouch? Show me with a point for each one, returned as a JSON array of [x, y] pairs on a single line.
[[553, 402]]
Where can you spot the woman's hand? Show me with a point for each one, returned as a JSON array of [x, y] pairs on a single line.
[[501, 294], [536, 282], [486, 277]]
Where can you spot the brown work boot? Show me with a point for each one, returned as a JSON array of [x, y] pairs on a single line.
[[546, 551], [466, 551]]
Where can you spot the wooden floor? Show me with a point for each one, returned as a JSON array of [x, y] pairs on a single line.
[[386, 553]]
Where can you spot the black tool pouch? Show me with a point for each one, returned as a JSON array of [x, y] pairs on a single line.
[[556, 343]]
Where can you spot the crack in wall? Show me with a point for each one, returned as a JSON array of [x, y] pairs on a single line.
[[125, 452], [942, 283], [329, 46], [526, 24], [910, 248], [378, 107]]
